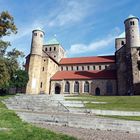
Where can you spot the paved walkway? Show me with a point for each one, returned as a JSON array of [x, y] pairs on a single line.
[[90, 134]]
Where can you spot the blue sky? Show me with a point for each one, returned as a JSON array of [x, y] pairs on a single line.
[[83, 27]]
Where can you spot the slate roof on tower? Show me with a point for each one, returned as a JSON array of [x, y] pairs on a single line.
[[53, 41]]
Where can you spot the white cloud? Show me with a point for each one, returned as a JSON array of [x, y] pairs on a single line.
[[93, 46], [71, 12], [68, 12]]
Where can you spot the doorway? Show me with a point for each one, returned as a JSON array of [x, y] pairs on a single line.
[[97, 91], [57, 90]]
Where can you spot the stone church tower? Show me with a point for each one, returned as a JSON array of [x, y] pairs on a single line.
[[132, 52], [128, 57], [35, 59]]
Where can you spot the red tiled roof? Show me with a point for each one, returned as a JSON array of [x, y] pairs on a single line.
[[92, 59], [71, 75]]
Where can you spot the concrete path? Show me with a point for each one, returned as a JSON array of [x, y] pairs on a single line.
[[90, 134]]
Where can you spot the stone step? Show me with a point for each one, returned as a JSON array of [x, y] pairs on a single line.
[[83, 121]]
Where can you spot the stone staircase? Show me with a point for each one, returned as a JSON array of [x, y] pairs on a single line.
[[53, 109], [36, 103]]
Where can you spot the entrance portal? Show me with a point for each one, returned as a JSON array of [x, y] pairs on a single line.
[[97, 91], [57, 90]]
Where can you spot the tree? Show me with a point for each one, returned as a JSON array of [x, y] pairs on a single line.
[[7, 27], [4, 74], [9, 64], [19, 79]]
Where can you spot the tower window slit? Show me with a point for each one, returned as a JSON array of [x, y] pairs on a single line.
[[41, 85]]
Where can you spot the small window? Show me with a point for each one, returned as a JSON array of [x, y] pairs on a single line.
[[46, 49], [67, 68], [41, 85], [77, 68], [50, 49], [82, 67], [71, 67], [35, 34], [44, 60], [88, 67], [41, 35], [43, 69], [62, 68], [133, 23], [54, 48], [99, 67], [105, 66], [93, 67], [54, 56], [122, 43]]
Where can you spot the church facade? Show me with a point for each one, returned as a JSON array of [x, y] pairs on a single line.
[[50, 72]]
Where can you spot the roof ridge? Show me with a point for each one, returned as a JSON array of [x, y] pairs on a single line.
[[88, 56]]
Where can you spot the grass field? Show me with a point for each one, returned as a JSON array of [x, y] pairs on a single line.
[[18, 130], [123, 103]]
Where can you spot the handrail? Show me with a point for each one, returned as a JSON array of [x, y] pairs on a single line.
[[63, 106]]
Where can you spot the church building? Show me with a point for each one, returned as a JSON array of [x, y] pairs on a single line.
[[50, 72]]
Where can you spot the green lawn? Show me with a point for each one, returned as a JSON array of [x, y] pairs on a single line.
[[124, 103], [18, 130]]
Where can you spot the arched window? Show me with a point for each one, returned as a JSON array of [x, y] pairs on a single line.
[[109, 88], [131, 23], [76, 86], [86, 87], [50, 49], [67, 87], [46, 49]]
